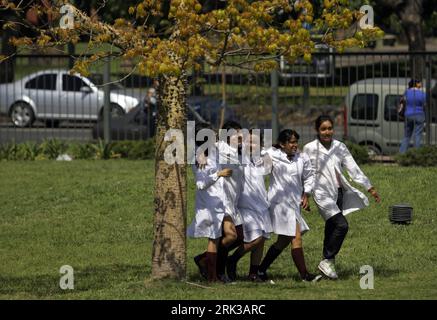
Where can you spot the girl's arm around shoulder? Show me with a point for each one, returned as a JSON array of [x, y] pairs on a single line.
[[207, 176]]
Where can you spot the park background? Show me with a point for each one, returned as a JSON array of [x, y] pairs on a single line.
[[97, 216]]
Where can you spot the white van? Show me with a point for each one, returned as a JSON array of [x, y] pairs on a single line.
[[371, 117]]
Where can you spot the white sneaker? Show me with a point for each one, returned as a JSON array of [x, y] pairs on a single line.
[[327, 267]]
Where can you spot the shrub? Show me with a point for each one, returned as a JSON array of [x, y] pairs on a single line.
[[27, 151], [122, 148], [81, 150], [425, 156], [53, 148], [103, 151], [360, 153], [8, 151], [142, 150]]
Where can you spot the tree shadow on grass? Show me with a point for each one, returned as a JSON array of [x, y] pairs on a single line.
[[91, 278], [241, 277]]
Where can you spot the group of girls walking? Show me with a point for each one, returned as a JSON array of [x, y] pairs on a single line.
[[234, 210]]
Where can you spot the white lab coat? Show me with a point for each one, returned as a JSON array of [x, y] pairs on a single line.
[[288, 181], [209, 208], [232, 186], [328, 166], [253, 203]]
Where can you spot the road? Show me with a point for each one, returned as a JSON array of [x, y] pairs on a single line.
[[38, 133]]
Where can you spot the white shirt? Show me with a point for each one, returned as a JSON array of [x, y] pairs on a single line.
[[253, 204], [209, 208], [329, 166], [254, 194], [288, 180], [232, 186]]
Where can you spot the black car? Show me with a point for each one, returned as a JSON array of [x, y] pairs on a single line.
[[209, 109], [135, 125]]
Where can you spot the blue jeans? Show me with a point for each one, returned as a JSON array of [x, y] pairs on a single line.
[[413, 125]]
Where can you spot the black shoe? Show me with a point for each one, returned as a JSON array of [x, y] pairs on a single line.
[[224, 279], [202, 268], [231, 269], [262, 276], [254, 278], [309, 277]]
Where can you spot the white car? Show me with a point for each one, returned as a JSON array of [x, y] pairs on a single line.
[[372, 118], [55, 95]]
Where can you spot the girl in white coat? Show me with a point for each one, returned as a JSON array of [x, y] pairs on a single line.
[[333, 194], [253, 206], [210, 209], [291, 181], [228, 155]]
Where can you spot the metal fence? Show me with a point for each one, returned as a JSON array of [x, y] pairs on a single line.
[[360, 91]]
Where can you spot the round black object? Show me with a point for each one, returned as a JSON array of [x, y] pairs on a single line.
[[401, 213]]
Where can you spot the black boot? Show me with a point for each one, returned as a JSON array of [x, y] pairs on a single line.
[[231, 264], [211, 260], [222, 256], [200, 261], [271, 256]]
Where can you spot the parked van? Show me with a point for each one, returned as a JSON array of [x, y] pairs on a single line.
[[371, 116]]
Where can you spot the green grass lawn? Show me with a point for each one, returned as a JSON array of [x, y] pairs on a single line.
[[97, 217]]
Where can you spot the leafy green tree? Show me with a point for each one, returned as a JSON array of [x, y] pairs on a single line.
[[414, 18]]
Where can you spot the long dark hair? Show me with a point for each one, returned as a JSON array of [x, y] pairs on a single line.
[[322, 118], [285, 136], [230, 124], [413, 83]]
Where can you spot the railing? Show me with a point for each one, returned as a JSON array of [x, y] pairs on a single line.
[[347, 86]]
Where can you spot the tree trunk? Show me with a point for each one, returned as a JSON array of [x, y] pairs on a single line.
[[411, 21], [169, 245], [410, 14]]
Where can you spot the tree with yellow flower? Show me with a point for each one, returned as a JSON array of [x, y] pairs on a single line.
[[167, 38]]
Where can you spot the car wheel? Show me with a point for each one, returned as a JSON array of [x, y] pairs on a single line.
[[22, 115], [116, 110]]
